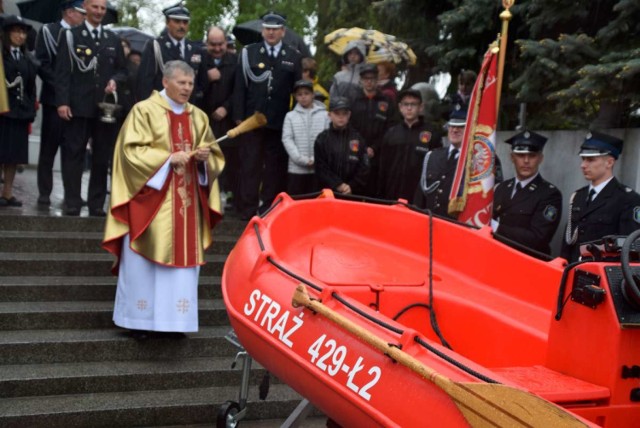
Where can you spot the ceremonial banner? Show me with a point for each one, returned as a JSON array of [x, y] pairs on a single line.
[[471, 196], [4, 97]]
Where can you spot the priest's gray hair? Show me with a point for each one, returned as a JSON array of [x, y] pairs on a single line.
[[171, 67]]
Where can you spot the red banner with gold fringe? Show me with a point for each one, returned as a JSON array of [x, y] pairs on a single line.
[[471, 196]]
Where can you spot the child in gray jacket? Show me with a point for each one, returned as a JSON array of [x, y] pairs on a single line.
[[299, 131]]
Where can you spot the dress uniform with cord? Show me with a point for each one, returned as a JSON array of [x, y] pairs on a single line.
[[90, 59], [605, 206], [264, 82], [171, 45], [51, 130]]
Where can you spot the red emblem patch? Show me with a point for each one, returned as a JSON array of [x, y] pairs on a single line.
[[383, 106], [425, 137], [354, 145]]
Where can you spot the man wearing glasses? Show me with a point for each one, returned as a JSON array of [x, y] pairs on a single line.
[[403, 149]]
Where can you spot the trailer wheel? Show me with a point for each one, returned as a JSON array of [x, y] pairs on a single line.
[[226, 415]]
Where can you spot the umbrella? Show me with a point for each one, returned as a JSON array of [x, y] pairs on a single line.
[[380, 46], [251, 32], [393, 51], [136, 37], [49, 11]]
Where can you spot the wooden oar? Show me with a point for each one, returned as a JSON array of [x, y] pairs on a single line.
[[254, 121], [482, 404]]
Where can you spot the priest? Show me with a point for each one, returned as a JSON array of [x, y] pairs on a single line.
[[164, 203]]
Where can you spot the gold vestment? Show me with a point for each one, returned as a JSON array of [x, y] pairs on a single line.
[[143, 146]]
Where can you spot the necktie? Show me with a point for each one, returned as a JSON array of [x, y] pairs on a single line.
[[592, 193], [517, 189], [272, 52], [179, 49], [95, 33], [16, 54], [453, 154]]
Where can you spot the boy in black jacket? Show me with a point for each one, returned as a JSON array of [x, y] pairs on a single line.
[[341, 160]]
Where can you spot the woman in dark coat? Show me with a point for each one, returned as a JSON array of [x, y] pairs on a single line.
[[20, 75]]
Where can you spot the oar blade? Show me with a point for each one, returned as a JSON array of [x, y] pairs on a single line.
[[494, 405]]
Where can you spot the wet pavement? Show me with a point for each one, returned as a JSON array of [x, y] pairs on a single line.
[[25, 189]]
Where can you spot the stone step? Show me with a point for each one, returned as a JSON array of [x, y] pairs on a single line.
[[79, 288], [79, 242], [48, 223], [85, 315], [66, 346], [140, 408], [113, 376], [71, 264]]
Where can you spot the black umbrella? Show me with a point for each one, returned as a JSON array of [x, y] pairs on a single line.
[[136, 37], [49, 11], [251, 32]]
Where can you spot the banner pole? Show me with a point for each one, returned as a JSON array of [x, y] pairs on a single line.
[[505, 16]]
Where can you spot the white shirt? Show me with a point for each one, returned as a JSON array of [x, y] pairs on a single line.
[[178, 42], [91, 28], [523, 183], [599, 187], [276, 48]]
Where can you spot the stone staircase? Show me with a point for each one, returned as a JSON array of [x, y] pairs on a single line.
[[64, 364]]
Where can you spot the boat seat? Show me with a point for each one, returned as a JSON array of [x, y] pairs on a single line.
[[553, 386]]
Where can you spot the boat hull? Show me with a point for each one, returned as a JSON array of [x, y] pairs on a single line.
[[368, 263]]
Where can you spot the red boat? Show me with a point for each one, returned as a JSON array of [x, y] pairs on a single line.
[[404, 319]]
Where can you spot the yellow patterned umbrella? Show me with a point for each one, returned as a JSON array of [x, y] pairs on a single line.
[[394, 51], [380, 46]]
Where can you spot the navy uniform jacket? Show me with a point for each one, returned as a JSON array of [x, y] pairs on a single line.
[[614, 211], [531, 218], [22, 103], [46, 52], [82, 91], [400, 158], [271, 97], [372, 117], [150, 75], [341, 157], [439, 169], [218, 93]]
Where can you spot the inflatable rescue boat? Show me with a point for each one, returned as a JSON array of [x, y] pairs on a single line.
[[382, 315]]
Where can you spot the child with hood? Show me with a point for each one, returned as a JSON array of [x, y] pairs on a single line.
[[346, 82]]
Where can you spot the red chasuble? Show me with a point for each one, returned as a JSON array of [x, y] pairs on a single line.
[[184, 185]]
